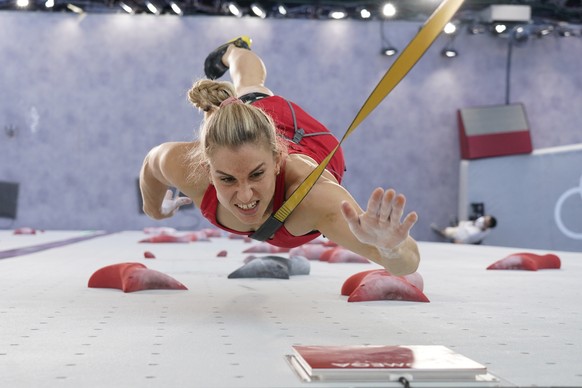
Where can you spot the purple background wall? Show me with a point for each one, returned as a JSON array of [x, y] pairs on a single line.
[[90, 95]]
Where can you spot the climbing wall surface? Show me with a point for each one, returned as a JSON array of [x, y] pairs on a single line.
[[525, 326]]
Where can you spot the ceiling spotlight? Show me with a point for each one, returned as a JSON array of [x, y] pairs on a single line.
[[388, 10], [22, 3], [520, 34], [565, 31], [338, 14], [258, 10], [389, 51], [49, 3], [234, 9], [499, 28], [73, 8], [449, 52], [128, 6], [282, 9], [542, 30], [388, 48], [450, 28], [156, 10], [176, 8], [364, 13]]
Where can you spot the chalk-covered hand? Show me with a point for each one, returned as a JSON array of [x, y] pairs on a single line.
[[380, 224], [170, 205]]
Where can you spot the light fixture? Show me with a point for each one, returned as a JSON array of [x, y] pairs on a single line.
[[176, 8], [338, 14], [499, 28], [234, 9], [543, 30], [364, 13], [22, 3], [282, 10], [74, 8], [49, 3], [388, 10], [258, 10], [388, 48], [389, 51], [565, 31], [449, 52], [520, 33], [128, 6], [153, 8], [450, 28]]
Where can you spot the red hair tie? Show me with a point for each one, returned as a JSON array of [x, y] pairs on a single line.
[[230, 100]]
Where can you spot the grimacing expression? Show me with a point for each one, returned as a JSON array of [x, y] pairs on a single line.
[[244, 178]]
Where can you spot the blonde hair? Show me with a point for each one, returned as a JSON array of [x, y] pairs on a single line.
[[231, 125], [207, 95]]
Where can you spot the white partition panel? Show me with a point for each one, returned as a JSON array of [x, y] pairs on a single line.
[[537, 198]]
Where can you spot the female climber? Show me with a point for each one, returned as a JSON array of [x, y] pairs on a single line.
[[253, 150]]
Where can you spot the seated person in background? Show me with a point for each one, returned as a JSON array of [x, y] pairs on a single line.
[[468, 232]]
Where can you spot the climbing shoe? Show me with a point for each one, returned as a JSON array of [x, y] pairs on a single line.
[[213, 66]]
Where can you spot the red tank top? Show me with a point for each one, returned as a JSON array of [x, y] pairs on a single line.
[[282, 237], [317, 143]]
